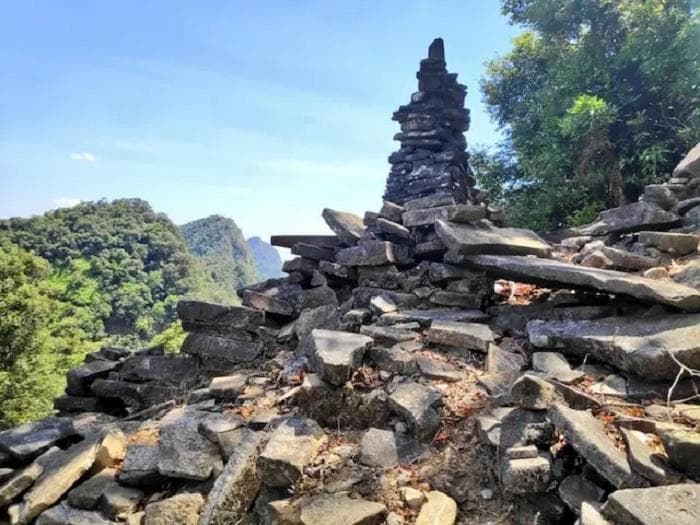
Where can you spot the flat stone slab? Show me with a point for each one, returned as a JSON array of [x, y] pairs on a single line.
[[374, 253], [639, 346], [338, 354], [417, 405], [645, 460], [341, 510], [470, 336], [184, 452], [181, 508], [439, 509], [630, 218], [228, 387], [31, 439], [426, 317], [587, 435], [64, 514], [291, 446], [231, 350], [483, 238], [434, 369], [79, 379], [287, 241], [554, 273], [669, 505], [674, 243], [347, 226], [555, 365], [203, 315]]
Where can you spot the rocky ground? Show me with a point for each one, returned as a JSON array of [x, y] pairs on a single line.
[[420, 365]]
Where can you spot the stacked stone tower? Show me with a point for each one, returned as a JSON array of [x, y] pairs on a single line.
[[432, 158]]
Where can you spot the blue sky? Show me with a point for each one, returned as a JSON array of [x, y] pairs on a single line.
[[264, 112]]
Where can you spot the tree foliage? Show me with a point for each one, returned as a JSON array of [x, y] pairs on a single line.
[[597, 99]]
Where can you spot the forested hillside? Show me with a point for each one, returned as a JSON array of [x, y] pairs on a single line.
[[219, 245], [267, 258], [596, 99], [99, 273]]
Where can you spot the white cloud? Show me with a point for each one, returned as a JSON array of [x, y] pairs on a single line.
[[83, 156], [66, 202]]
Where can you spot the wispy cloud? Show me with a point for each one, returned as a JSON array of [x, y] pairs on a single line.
[[82, 156], [66, 202]]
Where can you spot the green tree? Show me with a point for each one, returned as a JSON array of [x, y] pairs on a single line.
[[597, 98]]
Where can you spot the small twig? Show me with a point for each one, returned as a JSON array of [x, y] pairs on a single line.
[[682, 368]]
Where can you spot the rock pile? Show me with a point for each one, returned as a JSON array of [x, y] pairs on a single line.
[[403, 372], [432, 158]]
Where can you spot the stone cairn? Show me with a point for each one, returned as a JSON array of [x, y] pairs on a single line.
[[419, 365], [432, 159]]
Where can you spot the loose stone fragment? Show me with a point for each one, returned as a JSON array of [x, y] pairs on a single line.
[[625, 260], [669, 505], [347, 226], [338, 354], [267, 303], [388, 335], [88, 494], [140, 467], [439, 509], [119, 501], [228, 387], [416, 403], [182, 509], [683, 448], [645, 460], [374, 253], [382, 305], [521, 476], [630, 218], [64, 514], [19, 482], [392, 211], [79, 379], [501, 361], [394, 228], [292, 445], [591, 516], [471, 336], [394, 360], [332, 508], [484, 238], [433, 200], [31, 439], [426, 216], [434, 369], [200, 315], [674, 243], [184, 452], [555, 365], [522, 452], [575, 490], [413, 498], [235, 489], [378, 449], [587, 435], [466, 213], [231, 350]]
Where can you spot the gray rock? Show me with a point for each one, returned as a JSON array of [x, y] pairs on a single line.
[[325, 316], [119, 501], [555, 365], [31, 439], [79, 379], [483, 238], [590, 515], [219, 318], [342, 510], [312, 251], [235, 489], [347, 226], [426, 317], [466, 213], [426, 216], [362, 296], [228, 387], [292, 445], [522, 476], [68, 403], [230, 350], [394, 360], [501, 361], [184, 452], [287, 241], [267, 303], [6, 473], [689, 275], [661, 195], [391, 211], [645, 460], [638, 345], [338, 354], [64, 514], [587, 435], [669, 505], [683, 448], [394, 228], [439, 509], [140, 467], [462, 300], [677, 244], [630, 218], [213, 425], [378, 449], [20, 481], [177, 370], [88, 495], [434, 369], [60, 473], [433, 200], [533, 393], [338, 270], [417, 405], [611, 385], [690, 165], [470, 336], [625, 260], [381, 305], [388, 335], [575, 490], [182, 509], [374, 253], [522, 452], [553, 273], [488, 425]]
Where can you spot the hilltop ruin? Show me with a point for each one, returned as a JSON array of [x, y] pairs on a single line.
[[422, 364]]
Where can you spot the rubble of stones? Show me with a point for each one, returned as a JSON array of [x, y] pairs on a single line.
[[419, 365]]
